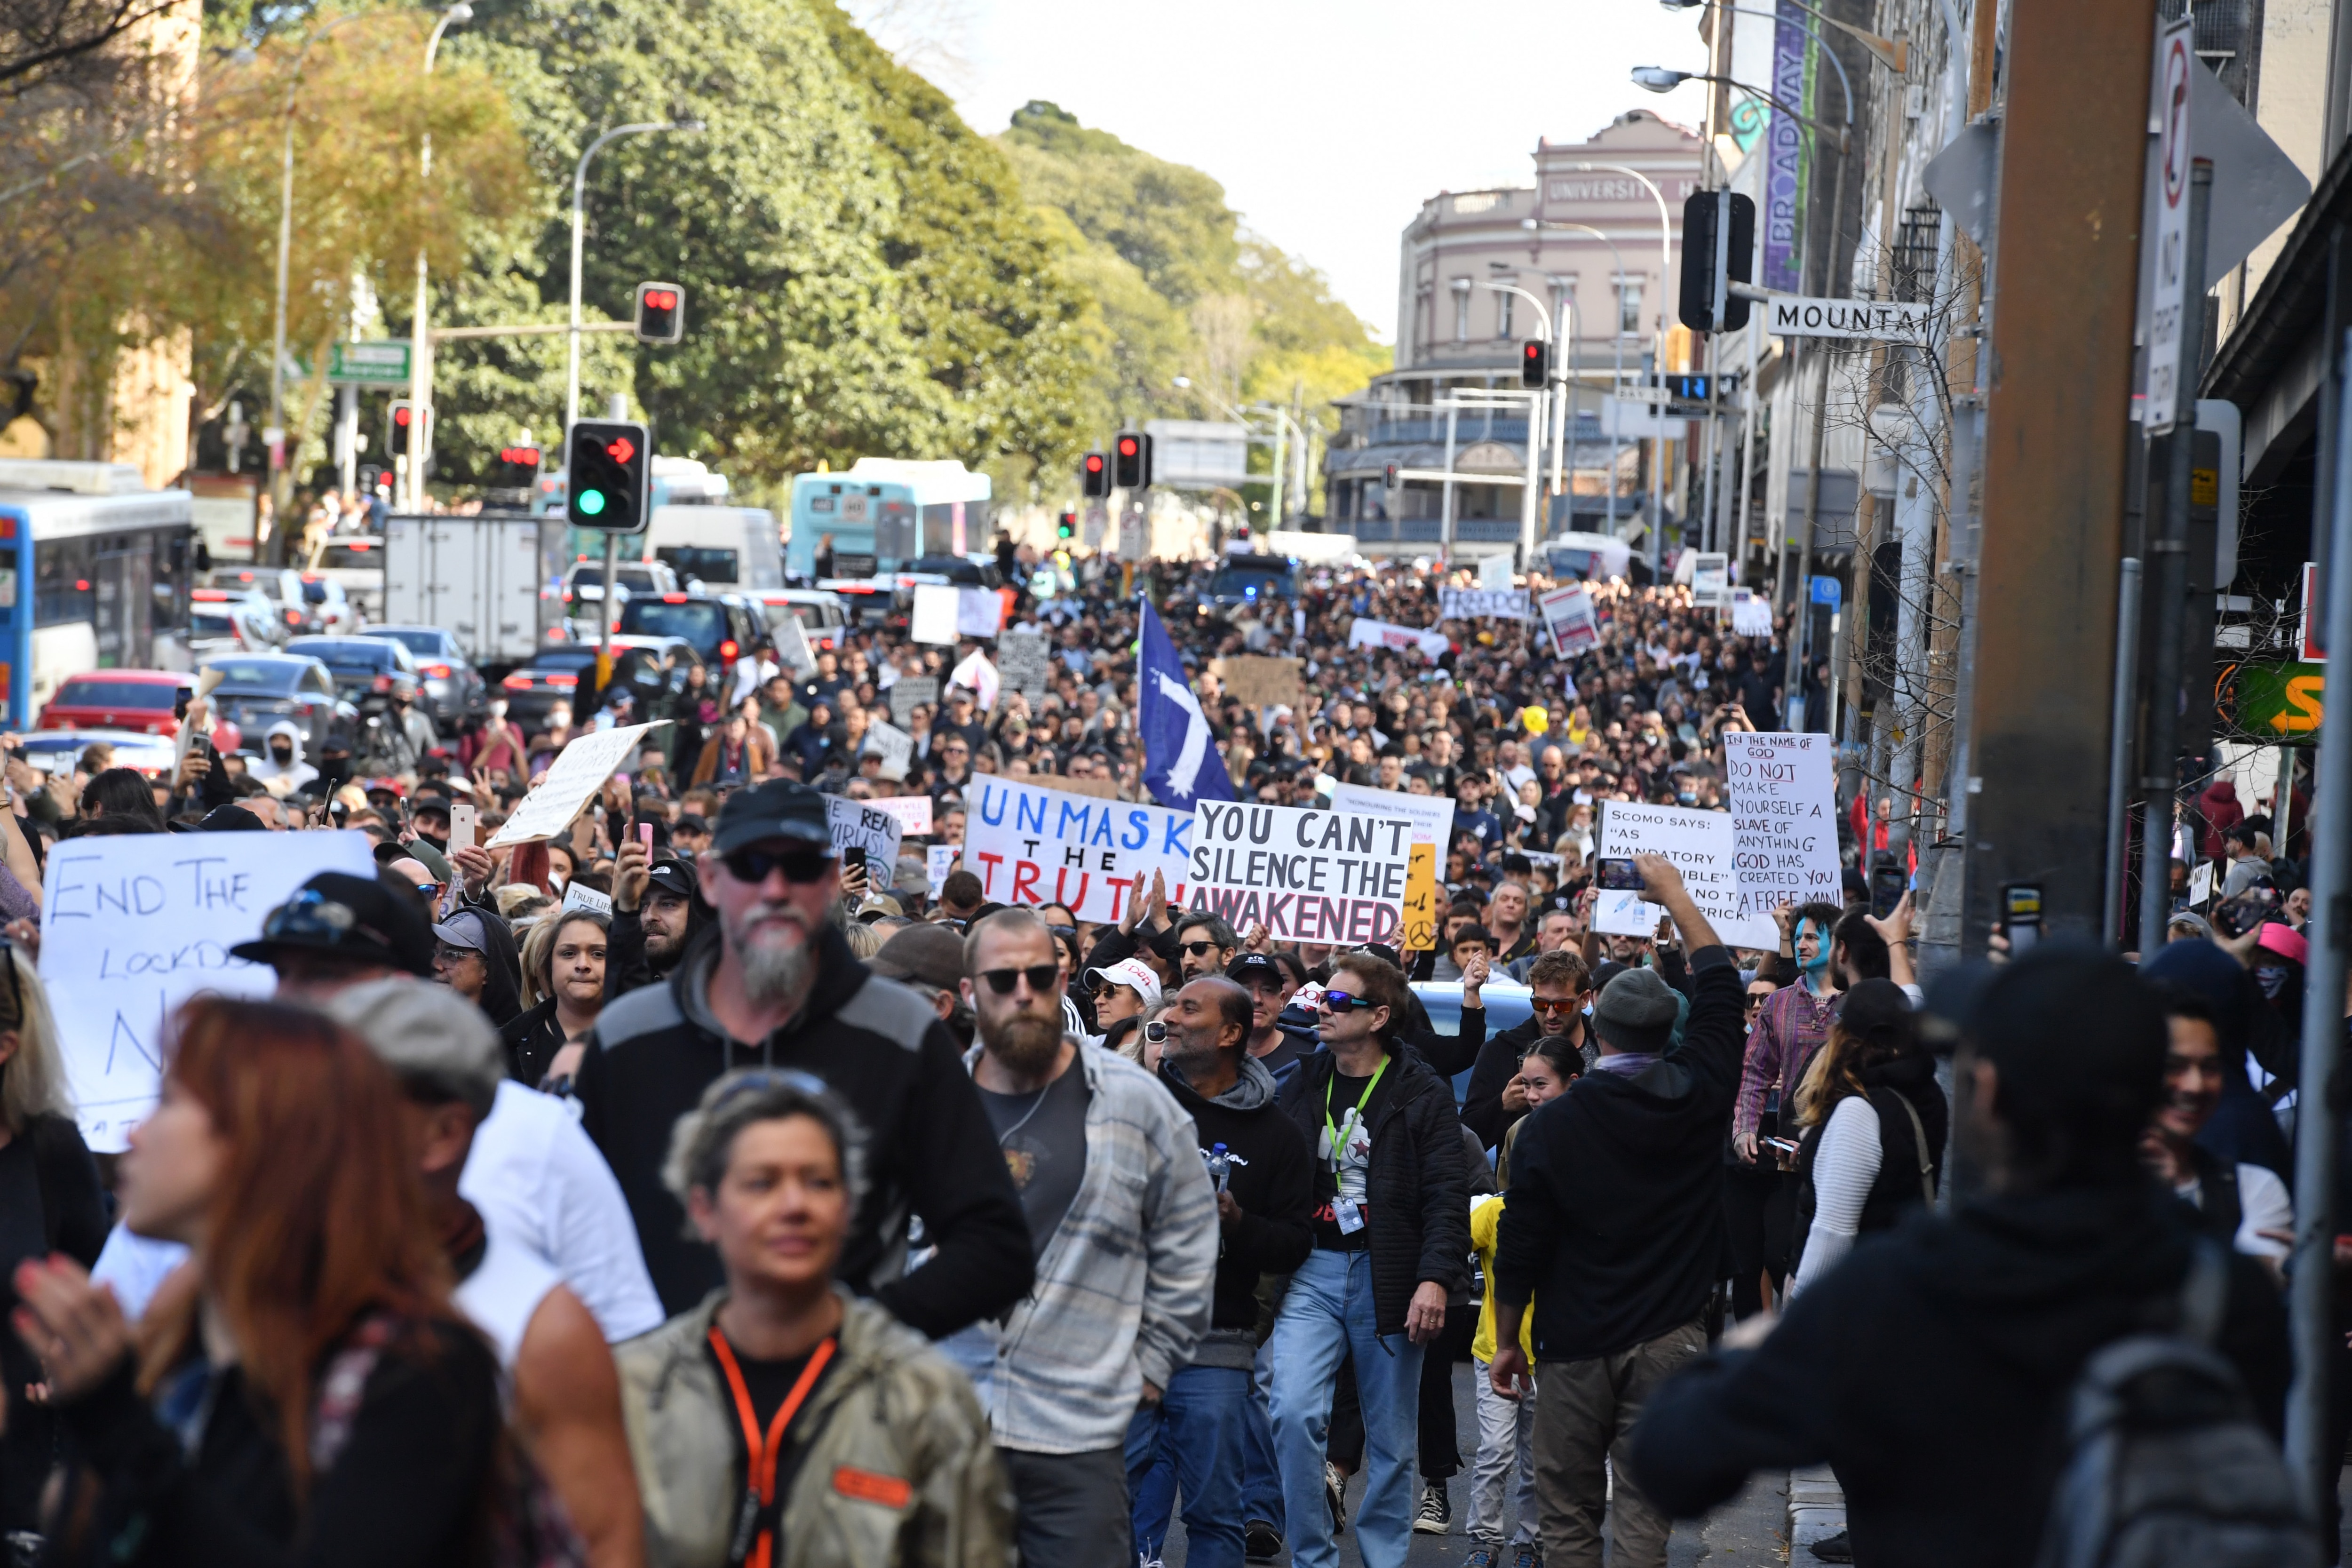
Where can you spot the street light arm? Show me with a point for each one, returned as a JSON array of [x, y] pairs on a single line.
[[1665, 223], [1542, 314], [579, 200]]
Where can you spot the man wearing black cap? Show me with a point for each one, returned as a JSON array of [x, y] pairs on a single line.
[[654, 918], [1272, 1046], [1614, 1226], [776, 985]]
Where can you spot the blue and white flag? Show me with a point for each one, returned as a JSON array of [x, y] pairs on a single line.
[[1181, 761]]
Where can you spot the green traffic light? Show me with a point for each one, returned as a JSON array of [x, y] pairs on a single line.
[[591, 502]]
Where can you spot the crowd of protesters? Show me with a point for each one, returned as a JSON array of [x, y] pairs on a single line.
[[768, 1208]]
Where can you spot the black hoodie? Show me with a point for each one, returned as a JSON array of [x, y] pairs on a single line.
[[1270, 1178], [1933, 1366], [930, 1151]]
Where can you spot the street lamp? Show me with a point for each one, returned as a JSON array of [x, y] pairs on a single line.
[[1658, 352], [579, 197], [420, 349], [1617, 342], [1535, 414]]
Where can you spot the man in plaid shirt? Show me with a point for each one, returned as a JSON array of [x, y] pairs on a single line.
[[1789, 1027]]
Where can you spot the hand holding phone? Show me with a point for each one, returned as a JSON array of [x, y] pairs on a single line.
[[462, 819], [1617, 874]]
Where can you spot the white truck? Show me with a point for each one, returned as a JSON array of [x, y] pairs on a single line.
[[492, 578]]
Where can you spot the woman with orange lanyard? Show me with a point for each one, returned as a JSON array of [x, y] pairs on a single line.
[[785, 1423]]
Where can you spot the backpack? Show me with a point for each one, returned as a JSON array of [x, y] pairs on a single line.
[[529, 1527], [2166, 1466]]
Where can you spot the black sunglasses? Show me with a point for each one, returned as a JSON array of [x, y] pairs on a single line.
[[1041, 978], [802, 863], [1197, 948]]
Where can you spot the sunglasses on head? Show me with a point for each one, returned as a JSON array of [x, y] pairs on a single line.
[[800, 863], [1041, 978]]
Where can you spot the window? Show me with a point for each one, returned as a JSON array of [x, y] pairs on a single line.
[[1629, 307], [62, 589], [712, 565], [1461, 309], [1503, 312]]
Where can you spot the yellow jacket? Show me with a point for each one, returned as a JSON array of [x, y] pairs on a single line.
[[1485, 1218]]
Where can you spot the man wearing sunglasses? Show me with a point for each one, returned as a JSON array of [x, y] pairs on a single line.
[[1205, 944], [1391, 1240], [1562, 989], [773, 983]]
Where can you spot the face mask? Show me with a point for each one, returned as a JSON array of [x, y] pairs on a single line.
[[497, 710], [283, 754]]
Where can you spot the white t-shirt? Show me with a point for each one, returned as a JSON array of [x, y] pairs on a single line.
[[2263, 1204]]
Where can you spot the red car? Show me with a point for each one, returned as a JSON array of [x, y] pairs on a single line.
[[141, 700]]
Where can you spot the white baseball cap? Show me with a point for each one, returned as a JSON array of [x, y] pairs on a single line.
[[1131, 972]]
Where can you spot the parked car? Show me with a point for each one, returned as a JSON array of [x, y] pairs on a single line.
[[584, 582], [363, 667], [355, 563], [721, 626], [453, 687], [147, 701], [553, 675], [821, 614], [220, 620], [1246, 582], [56, 751], [258, 690]]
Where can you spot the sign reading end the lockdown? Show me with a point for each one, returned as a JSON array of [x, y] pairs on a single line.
[[1324, 877]]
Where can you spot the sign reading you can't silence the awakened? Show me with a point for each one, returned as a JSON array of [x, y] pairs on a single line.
[[1308, 876]]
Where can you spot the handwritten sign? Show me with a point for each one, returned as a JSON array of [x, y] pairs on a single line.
[[1366, 633], [1030, 845], [135, 925], [940, 861], [1260, 680], [570, 783], [857, 824], [1421, 898], [793, 648], [1702, 845], [1482, 603], [1782, 789], [980, 612], [893, 745], [1567, 616], [1308, 874], [1020, 659], [913, 812], [910, 693]]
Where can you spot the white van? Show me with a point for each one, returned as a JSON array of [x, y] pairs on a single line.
[[729, 548]]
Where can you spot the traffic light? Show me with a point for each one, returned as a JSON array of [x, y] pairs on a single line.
[[1069, 526], [1389, 477], [608, 475], [395, 427], [1694, 303], [517, 467], [661, 312], [1131, 460], [1093, 475], [1535, 363]]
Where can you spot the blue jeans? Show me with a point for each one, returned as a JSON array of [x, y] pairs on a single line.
[[1194, 1436], [1328, 1313], [1261, 1478]]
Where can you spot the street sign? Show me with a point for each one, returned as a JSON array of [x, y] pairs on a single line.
[[1199, 454], [2275, 704], [1860, 320], [1828, 591], [378, 362], [2176, 58]]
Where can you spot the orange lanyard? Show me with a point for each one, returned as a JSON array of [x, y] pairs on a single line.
[[760, 1471]]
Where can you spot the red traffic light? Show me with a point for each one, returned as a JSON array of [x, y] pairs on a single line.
[[520, 456], [1128, 447], [400, 414], [662, 299], [1094, 462], [621, 450]]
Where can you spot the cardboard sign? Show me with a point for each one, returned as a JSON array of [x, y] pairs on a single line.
[[1031, 845], [1703, 846], [578, 897], [858, 824], [1021, 662], [793, 648], [913, 812], [1751, 614], [1365, 633], [2200, 884], [910, 693], [1258, 680], [1482, 603], [1567, 616], [1420, 920], [980, 612], [940, 862], [1101, 789], [570, 783], [937, 605], [893, 745], [1782, 791], [1307, 875], [1432, 816], [135, 925]]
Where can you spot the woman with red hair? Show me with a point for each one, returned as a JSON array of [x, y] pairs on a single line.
[[301, 1391]]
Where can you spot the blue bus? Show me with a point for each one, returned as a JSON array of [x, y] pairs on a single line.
[[95, 571], [885, 512]]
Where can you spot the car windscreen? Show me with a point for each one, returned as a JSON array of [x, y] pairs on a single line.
[[257, 674], [417, 641], [809, 616], [211, 623], [361, 553], [83, 692], [699, 621], [698, 561], [1242, 583], [570, 660], [349, 657]]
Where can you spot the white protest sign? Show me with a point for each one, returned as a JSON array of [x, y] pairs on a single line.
[[1307, 875], [977, 676], [934, 617], [1703, 846], [1364, 633], [913, 812], [2200, 884], [893, 745], [1751, 614], [980, 612], [1021, 662], [1478, 603], [571, 783], [136, 924], [1495, 572], [577, 896], [1782, 791], [792, 647], [940, 862], [910, 693], [1567, 616], [1710, 578], [1432, 816], [1030, 845], [858, 824]]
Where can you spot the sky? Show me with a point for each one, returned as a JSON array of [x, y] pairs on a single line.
[[1329, 122]]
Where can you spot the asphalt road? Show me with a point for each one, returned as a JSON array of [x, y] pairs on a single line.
[[1747, 1532]]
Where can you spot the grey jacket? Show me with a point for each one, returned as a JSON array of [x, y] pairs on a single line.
[[893, 1465]]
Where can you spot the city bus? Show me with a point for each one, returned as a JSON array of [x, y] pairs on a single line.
[[885, 511], [95, 571]]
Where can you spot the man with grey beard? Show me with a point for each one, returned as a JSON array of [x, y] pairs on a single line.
[[773, 984]]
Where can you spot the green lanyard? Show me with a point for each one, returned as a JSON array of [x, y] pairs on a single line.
[[1333, 1131]]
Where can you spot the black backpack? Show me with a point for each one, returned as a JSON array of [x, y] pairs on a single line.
[[2166, 1466]]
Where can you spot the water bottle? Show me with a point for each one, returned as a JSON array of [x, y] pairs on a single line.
[[1221, 1166]]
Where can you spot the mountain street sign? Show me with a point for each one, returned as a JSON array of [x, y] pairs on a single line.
[[1862, 320]]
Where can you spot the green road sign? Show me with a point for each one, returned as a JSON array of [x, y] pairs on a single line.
[[380, 361], [2274, 704]]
